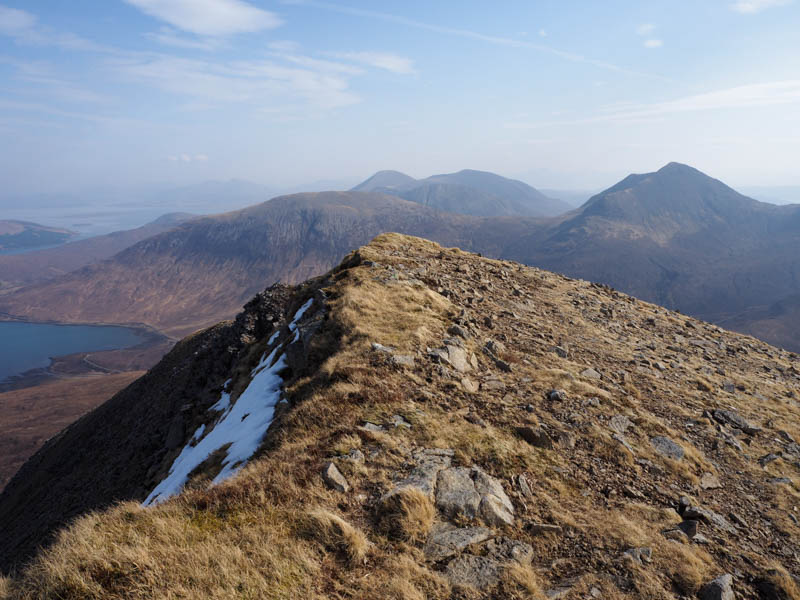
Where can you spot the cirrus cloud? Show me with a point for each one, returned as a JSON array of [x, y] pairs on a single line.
[[749, 7], [379, 60], [209, 17]]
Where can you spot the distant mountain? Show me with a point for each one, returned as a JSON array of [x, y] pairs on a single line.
[[202, 271], [521, 198], [20, 235], [455, 198], [678, 238], [385, 181], [675, 237], [469, 192], [34, 267]]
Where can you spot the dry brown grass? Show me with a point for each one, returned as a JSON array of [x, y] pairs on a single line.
[[255, 536], [777, 583], [520, 581], [402, 577], [335, 534], [407, 515], [5, 587], [173, 551]]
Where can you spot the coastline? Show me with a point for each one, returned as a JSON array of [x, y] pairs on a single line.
[[91, 364]]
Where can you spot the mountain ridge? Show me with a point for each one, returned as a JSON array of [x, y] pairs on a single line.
[[450, 426], [469, 191], [701, 260]]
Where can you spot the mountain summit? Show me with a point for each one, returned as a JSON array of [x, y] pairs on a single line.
[[383, 181], [470, 192], [676, 198], [421, 422]]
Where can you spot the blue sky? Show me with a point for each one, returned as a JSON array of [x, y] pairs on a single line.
[[571, 94]]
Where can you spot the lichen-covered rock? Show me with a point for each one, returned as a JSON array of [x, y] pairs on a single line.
[[333, 478], [719, 589], [474, 571], [446, 541], [455, 493], [471, 493], [666, 447]]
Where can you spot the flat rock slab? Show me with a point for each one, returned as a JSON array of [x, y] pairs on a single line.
[[620, 424], [449, 542], [591, 373], [455, 493], [423, 477], [471, 493], [709, 481], [474, 571], [698, 513], [734, 419], [666, 447], [505, 549], [455, 356]]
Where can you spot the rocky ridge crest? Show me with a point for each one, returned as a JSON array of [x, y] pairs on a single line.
[[460, 427]]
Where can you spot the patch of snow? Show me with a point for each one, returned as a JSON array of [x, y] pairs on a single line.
[[243, 427], [223, 403], [199, 433], [299, 314], [240, 426]]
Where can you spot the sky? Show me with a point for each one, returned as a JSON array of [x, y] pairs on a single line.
[[561, 93]]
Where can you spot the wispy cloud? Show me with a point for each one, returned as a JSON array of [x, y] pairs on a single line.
[[380, 60], [169, 37], [46, 109], [749, 7], [13, 20], [740, 97], [24, 28], [653, 43], [187, 158], [645, 29], [474, 35], [284, 46], [47, 81], [260, 84], [209, 17]]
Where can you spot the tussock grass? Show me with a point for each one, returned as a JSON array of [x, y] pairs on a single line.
[[403, 577], [335, 534], [407, 515], [521, 581], [776, 582], [173, 551], [346, 443]]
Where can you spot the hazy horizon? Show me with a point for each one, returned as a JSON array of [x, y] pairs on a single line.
[[131, 92]]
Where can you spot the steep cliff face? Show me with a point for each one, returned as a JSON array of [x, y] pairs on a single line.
[[433, 424]]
